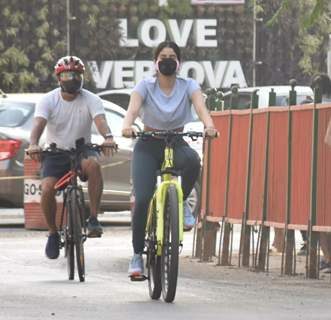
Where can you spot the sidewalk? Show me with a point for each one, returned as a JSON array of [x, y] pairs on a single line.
[[15, 218]]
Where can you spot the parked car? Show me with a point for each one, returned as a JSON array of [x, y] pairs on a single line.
[[119, 96], [16, 119], [304, 94]]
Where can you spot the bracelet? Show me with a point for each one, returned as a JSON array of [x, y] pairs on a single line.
[[109, 135]]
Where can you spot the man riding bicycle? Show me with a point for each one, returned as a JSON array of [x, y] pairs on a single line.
[[67, 113]]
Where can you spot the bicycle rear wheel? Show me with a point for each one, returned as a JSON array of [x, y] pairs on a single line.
[[69, 243], [170, 249], [153, 260], [77, 219]]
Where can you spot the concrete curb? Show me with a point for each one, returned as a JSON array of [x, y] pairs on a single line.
[[16, 218]]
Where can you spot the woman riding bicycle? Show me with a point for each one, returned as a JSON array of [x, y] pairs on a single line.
[[164, 103]]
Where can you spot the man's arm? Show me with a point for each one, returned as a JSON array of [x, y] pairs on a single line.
[[102, 125], [103, 128], [37, 130]]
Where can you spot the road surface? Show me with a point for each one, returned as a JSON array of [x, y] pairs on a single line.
[[33, 287]]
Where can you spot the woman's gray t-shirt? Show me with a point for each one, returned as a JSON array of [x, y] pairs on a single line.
[[68, 121], [166, 112]]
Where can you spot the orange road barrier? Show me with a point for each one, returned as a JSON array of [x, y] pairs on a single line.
[[33, 216], [289, 178]]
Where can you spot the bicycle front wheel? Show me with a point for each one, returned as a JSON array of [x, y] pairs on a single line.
[[69, 243], [153, 260], [77, 218], [170, 249]]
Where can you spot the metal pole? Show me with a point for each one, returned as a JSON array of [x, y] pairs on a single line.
[[329, 57], [254, 44], [68, 26], [312, 236], [246, 229], [204, 219]]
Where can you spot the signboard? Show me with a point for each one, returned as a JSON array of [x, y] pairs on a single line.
[[126, 73], [201, 2], [32, 191], [150, 32]]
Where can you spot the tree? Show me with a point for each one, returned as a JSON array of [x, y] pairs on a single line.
[[320, 9], [313, 30]]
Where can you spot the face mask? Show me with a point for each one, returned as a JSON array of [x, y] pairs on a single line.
[[71, 86], [167, 66]]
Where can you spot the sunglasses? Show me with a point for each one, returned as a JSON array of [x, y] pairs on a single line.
[[70, 75]]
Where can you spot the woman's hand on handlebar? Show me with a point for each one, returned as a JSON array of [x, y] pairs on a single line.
[[211, 132], [129, 132]]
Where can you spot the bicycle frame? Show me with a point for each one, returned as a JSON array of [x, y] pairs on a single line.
[[163, 182], [69, 182]]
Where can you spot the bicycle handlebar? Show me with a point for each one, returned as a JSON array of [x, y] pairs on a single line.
[[89, 146], [81, 148], [194, 135]]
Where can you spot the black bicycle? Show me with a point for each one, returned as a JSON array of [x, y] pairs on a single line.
[[73, 215]]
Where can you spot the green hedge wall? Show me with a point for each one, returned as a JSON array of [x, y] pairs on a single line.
[[33, 37]]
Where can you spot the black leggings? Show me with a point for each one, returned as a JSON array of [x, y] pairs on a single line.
[[147, 159]]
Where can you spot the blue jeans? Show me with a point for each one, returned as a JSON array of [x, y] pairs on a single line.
[[147, 159]]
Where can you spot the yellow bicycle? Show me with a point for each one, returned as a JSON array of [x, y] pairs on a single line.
[[164, 228]]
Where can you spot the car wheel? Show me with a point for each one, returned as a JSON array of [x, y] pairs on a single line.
[[193, 200]]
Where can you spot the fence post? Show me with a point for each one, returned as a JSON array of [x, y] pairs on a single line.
[[293, 93], [317, 95], [288, 248], [197, 242], [207, 230], [234, 99], [226, 227], [272, 98], [246, 234], [313, 236], [265, 232], [255, 99]]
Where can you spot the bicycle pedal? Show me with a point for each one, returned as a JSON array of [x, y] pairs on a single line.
[[94, 235], [137, 278]]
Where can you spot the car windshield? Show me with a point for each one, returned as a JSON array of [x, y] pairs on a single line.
[[13, 113], [284, 100]]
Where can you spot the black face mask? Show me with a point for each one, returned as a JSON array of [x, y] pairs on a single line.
[[71, 86], [167, 66]]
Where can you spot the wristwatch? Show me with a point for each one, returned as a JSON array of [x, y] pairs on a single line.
[[109, 135]]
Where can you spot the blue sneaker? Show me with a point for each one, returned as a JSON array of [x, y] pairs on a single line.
[[189, 220], [136, 266], [325, 267], [53, 246], [94, 229]]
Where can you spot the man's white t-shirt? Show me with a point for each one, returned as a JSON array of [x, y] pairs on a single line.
[[68, 121]]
